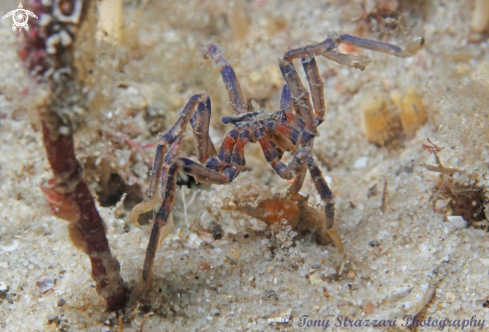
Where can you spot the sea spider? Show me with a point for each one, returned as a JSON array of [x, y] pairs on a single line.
[[291, 129]]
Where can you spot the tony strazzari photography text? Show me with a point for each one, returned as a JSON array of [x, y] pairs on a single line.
[[343, 321]]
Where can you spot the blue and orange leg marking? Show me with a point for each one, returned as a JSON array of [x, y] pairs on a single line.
[[229, 77], [300, 94]]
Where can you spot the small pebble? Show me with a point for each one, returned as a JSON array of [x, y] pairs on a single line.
[[234, 254], [361, 162], [216, 230], [4, 288], [316, 266], [374, 243], [368, 308], [351, 275], [450, 297]]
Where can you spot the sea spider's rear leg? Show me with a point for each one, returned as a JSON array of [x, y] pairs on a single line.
[[304, 108], [327, 48]]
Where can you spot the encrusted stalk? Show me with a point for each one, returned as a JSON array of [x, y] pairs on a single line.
[[48, 55]]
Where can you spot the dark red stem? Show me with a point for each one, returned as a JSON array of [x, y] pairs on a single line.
[[51, 64]]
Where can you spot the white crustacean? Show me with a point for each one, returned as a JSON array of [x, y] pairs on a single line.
[[20, 17]]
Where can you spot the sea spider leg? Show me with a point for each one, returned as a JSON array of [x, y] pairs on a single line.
[[286, 101], [327, 199], [334, 41], [202, 174], [287, 172], [200, 125], [300, 95], [229, 77], [316, 86], [373, 45], [165, 140], [327, 48]]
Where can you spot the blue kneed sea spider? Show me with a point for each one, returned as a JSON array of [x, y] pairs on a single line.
[[291, 129]]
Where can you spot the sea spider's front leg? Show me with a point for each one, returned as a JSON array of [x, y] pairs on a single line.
[[229, 77], [173, 164], [205, 148]]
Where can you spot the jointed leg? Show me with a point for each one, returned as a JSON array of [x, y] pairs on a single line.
[[327, 199], [286, 101], [373, 45], [300, 94], [298, 181], [167, 139], [287, 172], [229, 77], [334, 41], [327, 48], [200, 125], [160, 228], [160, 220], [316, 86]]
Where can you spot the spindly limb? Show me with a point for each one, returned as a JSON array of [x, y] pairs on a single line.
[[286, 101], [166, 140], [181, 125], [229, 77], [327, 199], [160, 220], [200, 125], [373, 45], [300, 94], [287, 172], [316, 86], [349, 60], [334, 41], [161, 228], [298, 181], [144, 207]]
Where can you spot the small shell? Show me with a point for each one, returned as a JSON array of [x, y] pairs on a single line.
[[374, 117], [480, 17], [412, 110], [188, 239]]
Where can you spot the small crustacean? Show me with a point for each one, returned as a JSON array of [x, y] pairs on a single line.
[[292, 129]]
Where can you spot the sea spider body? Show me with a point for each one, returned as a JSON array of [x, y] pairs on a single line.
[[291, 129]]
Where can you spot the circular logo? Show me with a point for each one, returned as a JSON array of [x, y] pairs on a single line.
[[287, 320], [20, 18]]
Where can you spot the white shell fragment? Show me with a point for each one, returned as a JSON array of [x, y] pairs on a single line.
[[11, 247], [457, 221], [188, 239]]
